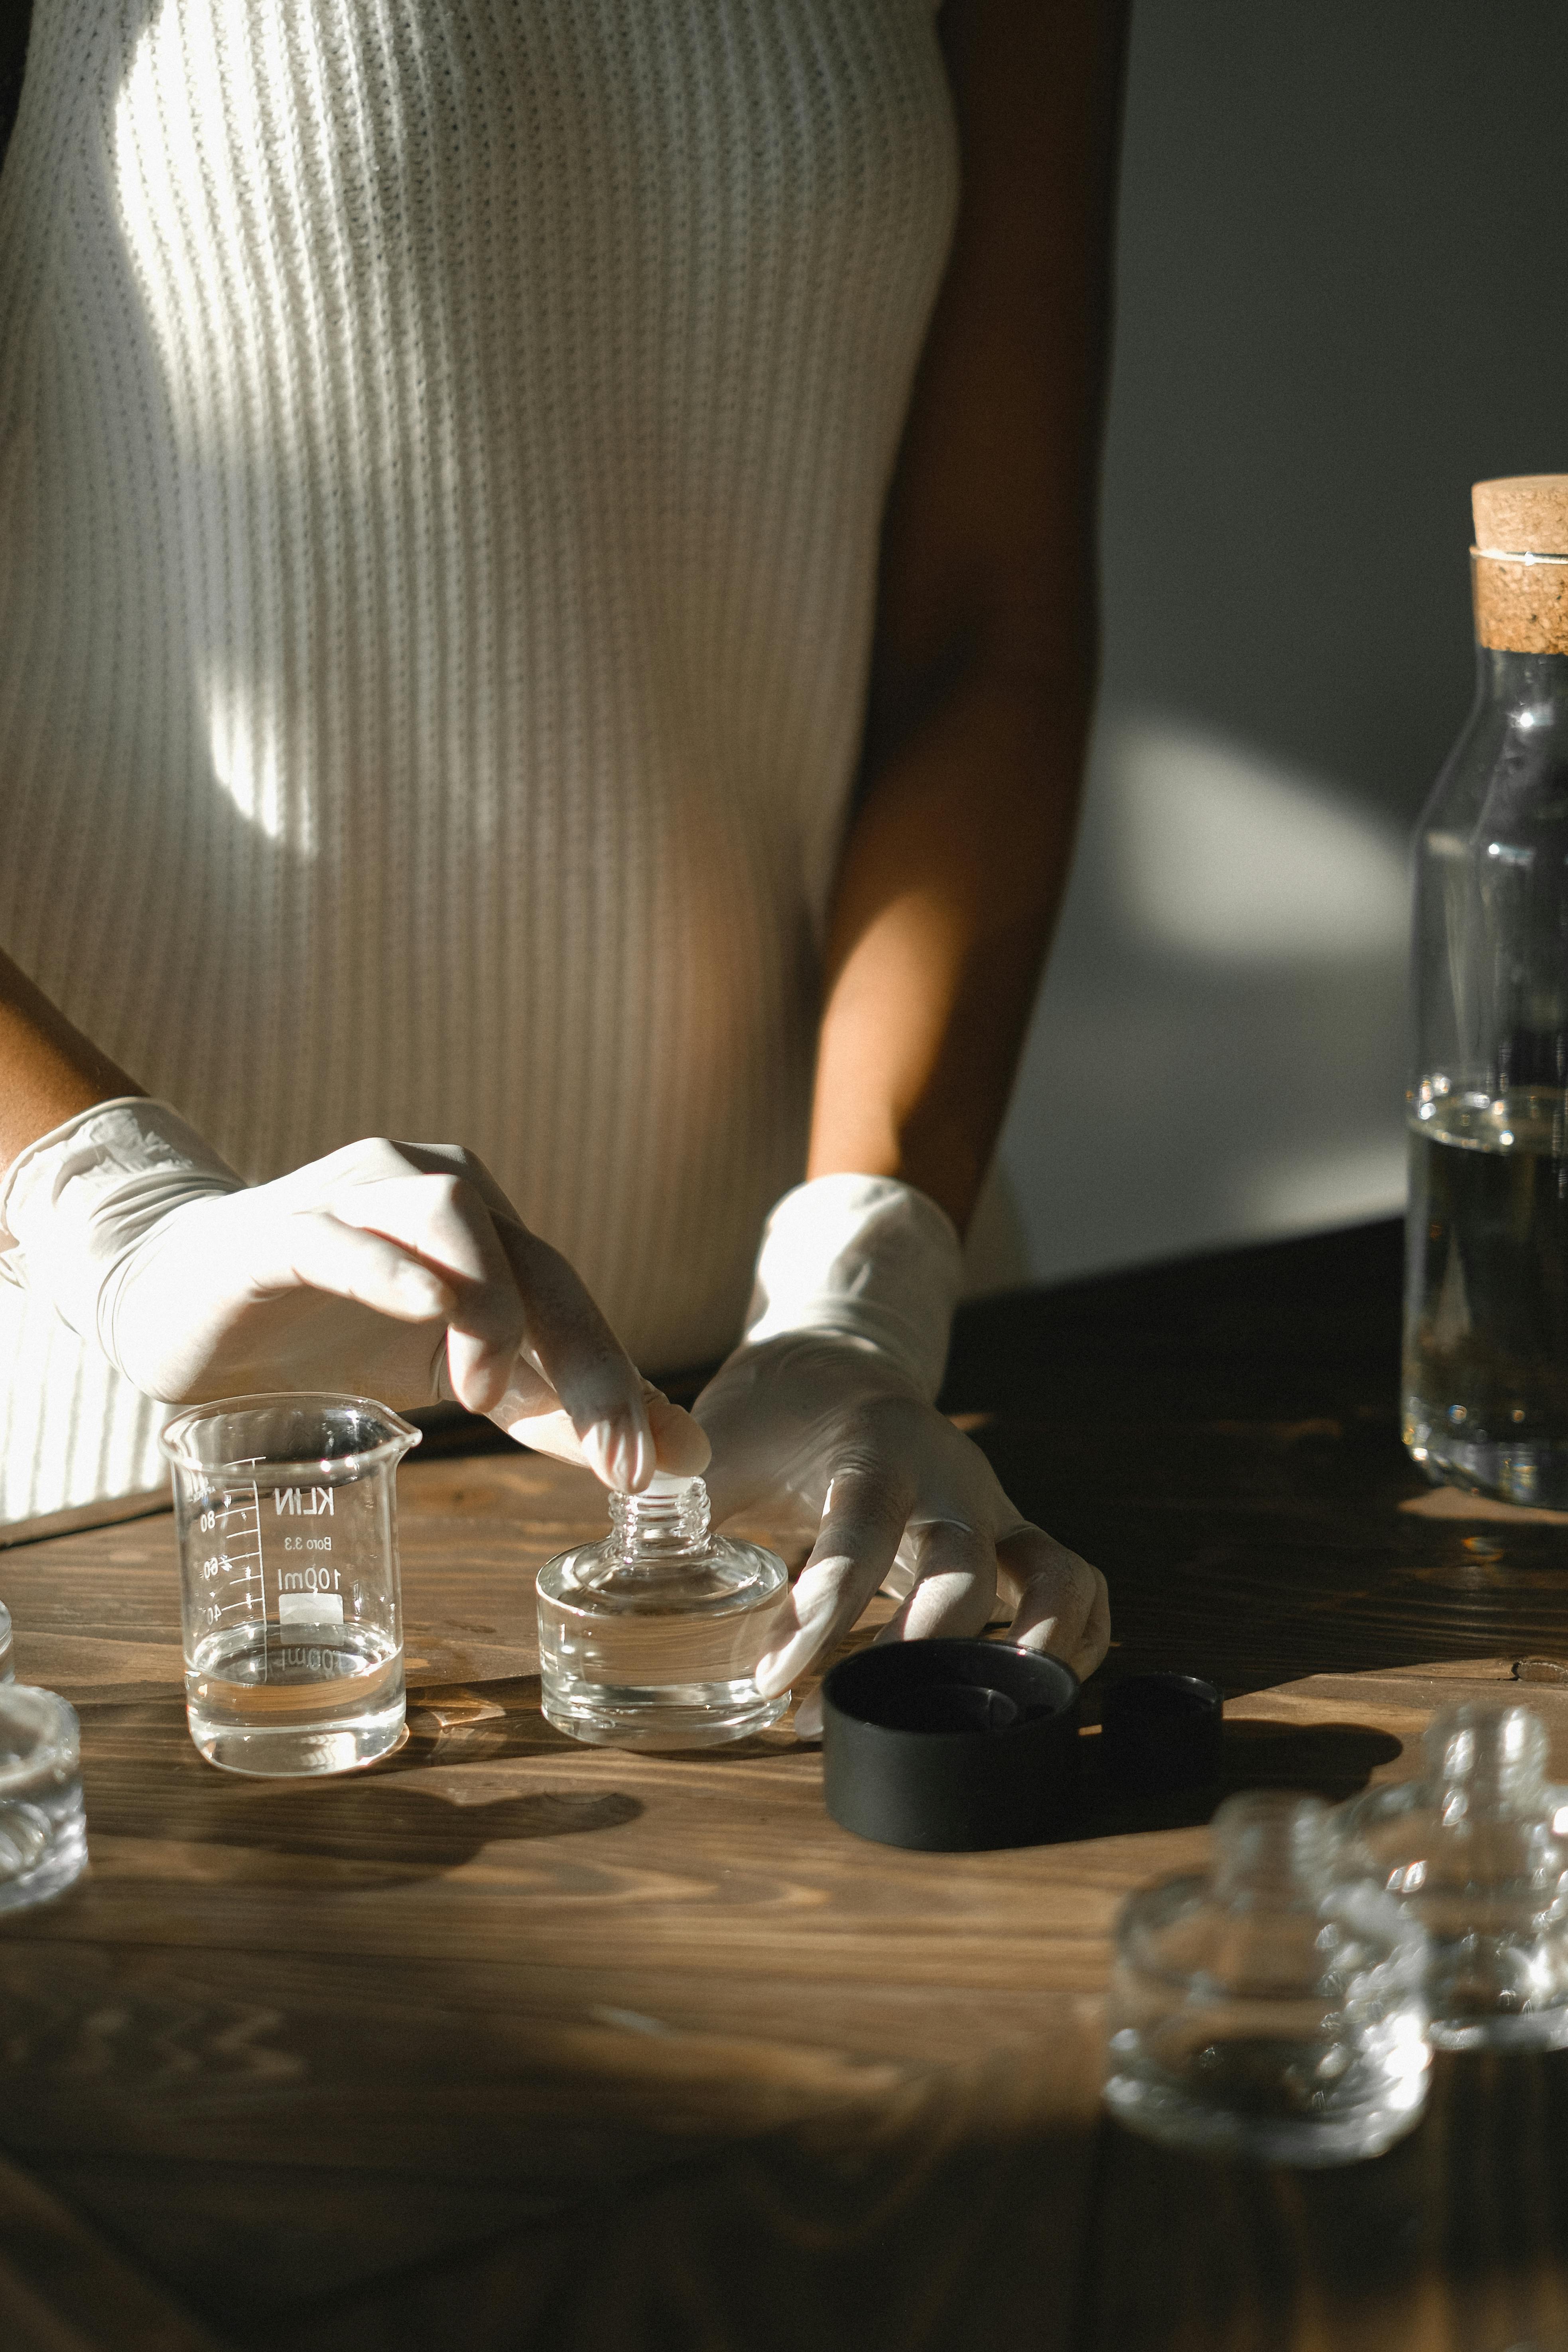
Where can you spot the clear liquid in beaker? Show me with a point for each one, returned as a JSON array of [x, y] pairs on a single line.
[[289, 1699]]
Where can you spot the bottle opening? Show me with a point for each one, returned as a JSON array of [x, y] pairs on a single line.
[[670, 1515]]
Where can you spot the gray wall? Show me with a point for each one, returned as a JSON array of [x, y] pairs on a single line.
[[1343, 296]]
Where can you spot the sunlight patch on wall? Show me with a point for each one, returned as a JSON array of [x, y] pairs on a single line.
[[1225, 856], [1219, 1053], [1303, 1189]]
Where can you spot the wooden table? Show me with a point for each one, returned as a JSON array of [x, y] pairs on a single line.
[[512, 2043]]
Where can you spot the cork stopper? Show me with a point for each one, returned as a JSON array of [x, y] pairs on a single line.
[[1520, 563], [1524, 514]]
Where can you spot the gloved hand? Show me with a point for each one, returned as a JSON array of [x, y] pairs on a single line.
[[399, 1271], [825, 1412]]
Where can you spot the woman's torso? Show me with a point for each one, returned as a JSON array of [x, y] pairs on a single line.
[[442, 450]]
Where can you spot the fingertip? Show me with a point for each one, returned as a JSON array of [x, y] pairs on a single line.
[[769, 1678], [620, 1456], [809, 1629], [638, 1460], [601, 1451], [1036, 1638], [478, 1376], [680, 1444]]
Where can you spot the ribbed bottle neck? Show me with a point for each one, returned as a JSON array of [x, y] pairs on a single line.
[[665, 1523], [1272, 1846]]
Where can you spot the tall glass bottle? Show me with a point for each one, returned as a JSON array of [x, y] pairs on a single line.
[[1486, 1308]]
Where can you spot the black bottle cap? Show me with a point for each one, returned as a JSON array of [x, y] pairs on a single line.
[[1159, 1733], [949, 1745]]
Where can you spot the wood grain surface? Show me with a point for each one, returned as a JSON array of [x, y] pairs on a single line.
[[512, 2043]]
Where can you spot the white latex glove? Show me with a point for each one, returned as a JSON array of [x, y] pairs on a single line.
[[825, 1412], [395, 1270]]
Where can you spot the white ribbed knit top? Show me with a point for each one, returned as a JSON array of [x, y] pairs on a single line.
[[442, 447]]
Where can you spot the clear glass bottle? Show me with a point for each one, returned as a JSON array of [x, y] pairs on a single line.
[[1478, 1851], [1269, 2010], [650, 1638], [43, 1825], [1486, 1310]]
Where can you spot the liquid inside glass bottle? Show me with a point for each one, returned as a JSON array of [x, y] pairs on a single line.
[[1269, 2010], [1486, 1319], [650, 1638], [1475, 1853]]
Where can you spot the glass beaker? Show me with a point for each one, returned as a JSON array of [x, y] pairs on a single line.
[[43, 1828], [287, 1521]]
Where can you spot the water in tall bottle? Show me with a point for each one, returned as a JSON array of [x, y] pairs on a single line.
[[1486, 1310]]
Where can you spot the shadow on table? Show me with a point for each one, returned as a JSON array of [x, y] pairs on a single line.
[[1333, 1760], [493, 1722], [404, 1831], [435, 1804]]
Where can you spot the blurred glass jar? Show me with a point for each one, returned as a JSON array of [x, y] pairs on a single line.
[[1486, 1310], [43, 1825], [1268, 2010], [1475, 1852]]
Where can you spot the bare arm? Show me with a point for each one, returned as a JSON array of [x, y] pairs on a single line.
[[984, 669], [48, 1071]]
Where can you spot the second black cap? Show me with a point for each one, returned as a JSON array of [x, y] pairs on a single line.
[[1159, 1733]]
